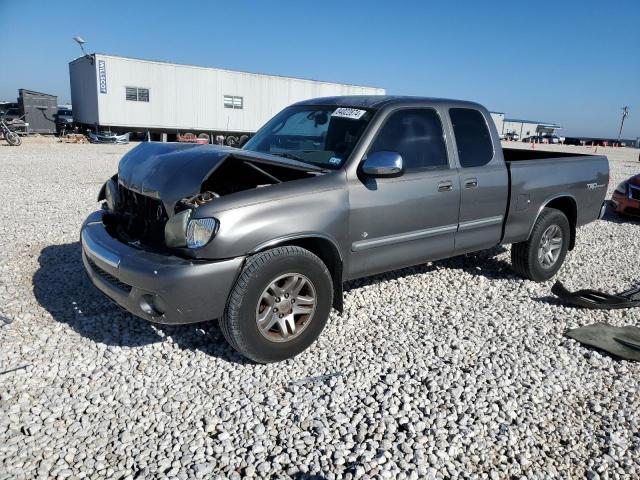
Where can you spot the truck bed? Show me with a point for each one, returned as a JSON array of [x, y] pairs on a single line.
[[519, 154], [538, 177]]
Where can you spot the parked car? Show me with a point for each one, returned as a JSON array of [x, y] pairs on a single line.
[[14, 119], [64, 120], [11, 114], [511, 136], [626, 197], [329, 190], [551, 139]]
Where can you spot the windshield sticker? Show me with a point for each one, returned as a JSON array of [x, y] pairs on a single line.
[[352, 113], [335, 161]]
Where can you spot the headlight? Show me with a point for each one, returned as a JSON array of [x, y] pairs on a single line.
[[200, 231], [622, 188]]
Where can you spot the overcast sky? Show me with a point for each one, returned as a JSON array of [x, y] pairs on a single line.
[[576, 63]]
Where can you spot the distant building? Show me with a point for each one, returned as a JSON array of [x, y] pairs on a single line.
[[498, 119], [34, 112], [129, 94], [528, 128]]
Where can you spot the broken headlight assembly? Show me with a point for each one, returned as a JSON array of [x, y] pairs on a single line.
[[200, 231], [183, 231], [109, 193]]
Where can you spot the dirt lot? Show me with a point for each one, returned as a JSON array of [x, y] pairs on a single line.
[[453, 369]]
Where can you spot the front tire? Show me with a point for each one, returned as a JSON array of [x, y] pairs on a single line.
[[279, 305], [540, 257], [13, 139]]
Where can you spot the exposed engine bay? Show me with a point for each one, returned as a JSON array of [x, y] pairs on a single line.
[[235, 175], [157, 182]]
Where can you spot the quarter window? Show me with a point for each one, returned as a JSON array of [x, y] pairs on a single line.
[[417, 135], [231, 101], [135, 94], [475, 148]]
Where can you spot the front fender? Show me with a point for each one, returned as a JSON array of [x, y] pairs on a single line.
[[249, 229]]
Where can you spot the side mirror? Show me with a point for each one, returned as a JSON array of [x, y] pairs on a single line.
[[383, 164]]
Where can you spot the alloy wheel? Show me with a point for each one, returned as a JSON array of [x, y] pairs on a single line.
[[286, 307], [550, 246]]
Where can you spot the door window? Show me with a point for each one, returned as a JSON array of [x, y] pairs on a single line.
[[475, 147], [417, 135]]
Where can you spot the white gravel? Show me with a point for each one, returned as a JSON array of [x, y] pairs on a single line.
[[452, 369]]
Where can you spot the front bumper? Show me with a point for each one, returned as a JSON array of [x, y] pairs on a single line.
[[625, 205], [159, 288]]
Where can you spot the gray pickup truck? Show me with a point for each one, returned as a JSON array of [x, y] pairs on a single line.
[[331, 189]]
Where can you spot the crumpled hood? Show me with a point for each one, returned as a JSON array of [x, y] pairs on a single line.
[[173, 171]]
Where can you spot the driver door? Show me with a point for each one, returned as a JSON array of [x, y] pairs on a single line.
[[413, 218]]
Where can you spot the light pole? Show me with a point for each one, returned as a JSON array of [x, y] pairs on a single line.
[[625, 112], [80, 41]]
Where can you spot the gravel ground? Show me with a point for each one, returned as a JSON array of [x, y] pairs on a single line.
[[453, 369]]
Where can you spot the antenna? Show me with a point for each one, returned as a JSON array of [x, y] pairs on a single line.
[[625, 113]]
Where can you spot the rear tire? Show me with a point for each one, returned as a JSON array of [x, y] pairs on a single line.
[[13, 139], [542, 255], [258, 299]]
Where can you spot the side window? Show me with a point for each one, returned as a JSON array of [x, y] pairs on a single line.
[[417, 135], [472, 137]]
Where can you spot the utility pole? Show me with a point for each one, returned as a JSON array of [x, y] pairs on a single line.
[[625, 112]]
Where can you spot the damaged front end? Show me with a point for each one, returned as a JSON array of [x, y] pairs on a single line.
[[151, 202]]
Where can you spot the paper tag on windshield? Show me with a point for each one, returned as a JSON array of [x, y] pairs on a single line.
[[352, 113]]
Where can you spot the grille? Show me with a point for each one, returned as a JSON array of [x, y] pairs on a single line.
[[110, 279], [634, 192], [142, 218]]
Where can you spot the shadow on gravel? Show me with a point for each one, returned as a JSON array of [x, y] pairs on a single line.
[[481, 263], [61, 286]]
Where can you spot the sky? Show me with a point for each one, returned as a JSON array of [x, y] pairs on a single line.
[[575, 63]]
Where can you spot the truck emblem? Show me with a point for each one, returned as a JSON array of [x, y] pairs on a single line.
[[593, 186], [365, 234]]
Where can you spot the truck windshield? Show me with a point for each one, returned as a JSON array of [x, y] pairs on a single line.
[[320, 135]]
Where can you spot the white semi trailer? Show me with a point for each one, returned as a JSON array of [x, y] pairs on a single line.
[[163, 99]]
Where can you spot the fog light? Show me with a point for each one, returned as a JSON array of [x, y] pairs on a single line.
[[152, 305]]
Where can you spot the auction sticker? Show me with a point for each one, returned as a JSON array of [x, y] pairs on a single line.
[[352, 113]]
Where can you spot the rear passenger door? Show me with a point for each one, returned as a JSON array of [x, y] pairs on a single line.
[[410, 219], [484, 182]]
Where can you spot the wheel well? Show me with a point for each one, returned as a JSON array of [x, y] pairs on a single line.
[[329, 254], [567, 205]]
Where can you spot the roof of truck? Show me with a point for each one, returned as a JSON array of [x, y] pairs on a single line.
[[378, 101]]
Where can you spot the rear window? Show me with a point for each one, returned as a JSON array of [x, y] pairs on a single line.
[[472, 137]]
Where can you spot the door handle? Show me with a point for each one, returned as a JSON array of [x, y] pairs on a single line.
[[445, 186], [470, 183]]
